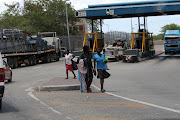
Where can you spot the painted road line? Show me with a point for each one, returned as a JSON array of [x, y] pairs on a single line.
[[38, 100], [141, 102], [37, 67]]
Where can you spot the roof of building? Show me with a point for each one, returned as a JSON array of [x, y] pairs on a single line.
[[130, 9]]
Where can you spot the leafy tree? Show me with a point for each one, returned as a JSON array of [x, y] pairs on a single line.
[[158, 37], [39, 16], [96, 25], [170, 27], [11, 18]]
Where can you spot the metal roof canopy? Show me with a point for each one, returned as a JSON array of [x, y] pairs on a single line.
[[130, 9]]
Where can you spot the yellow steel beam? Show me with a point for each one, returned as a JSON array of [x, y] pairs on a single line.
[[132, 42]]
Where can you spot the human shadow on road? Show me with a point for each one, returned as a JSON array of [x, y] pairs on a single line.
[[6, 108]]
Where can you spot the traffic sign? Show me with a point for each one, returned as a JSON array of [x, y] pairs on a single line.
[[159, 9]]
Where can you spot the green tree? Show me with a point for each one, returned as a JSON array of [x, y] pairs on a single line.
[[170, 27], [12, 17], [96, 25], [158, 37], [39, 16]]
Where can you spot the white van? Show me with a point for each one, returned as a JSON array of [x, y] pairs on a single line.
[[2, 78]]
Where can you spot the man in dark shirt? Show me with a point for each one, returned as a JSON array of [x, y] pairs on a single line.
[[87, 56]]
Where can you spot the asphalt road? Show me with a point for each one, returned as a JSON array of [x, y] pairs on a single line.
[[153, 83], [18, 105]]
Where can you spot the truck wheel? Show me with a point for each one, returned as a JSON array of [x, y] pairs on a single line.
[[45, 59], [30, 62], [10, 62], [57, 57], [34, 60], [48, 58], [15, 63], [51, 57], [0, 104], [10, 80]]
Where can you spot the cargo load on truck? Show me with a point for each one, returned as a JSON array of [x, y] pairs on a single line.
[[19, 47]]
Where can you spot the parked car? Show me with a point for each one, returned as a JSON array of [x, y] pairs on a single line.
[[8, 72], [2, 78], [63, 51]]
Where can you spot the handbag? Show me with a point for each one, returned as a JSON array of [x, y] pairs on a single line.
[[74, 65]]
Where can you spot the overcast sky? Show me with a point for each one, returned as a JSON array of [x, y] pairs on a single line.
[[124, 24]]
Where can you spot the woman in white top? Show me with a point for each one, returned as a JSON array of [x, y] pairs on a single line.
[[68, 63]]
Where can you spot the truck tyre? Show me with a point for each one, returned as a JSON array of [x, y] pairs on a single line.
[[0, 103], [15, 62], [51, 57], [45, 58], [57, 57], [10, 62], [48, 58], [34, 60], [10, 80], [31, 61]]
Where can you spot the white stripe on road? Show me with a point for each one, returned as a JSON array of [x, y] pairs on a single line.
[[50, 108], [37, 67], [141, 102]]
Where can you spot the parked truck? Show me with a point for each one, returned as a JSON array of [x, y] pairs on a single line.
[[19, 48], [172, 41]]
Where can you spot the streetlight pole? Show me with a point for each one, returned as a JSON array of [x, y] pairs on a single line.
[[68, 27]]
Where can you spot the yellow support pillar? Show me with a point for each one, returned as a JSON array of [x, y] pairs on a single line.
[[95, 43], [143, 43], [85, 39], [132, 42]]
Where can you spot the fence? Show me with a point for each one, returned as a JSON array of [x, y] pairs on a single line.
[[77, 41]]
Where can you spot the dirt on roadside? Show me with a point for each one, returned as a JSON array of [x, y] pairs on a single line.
[[158, 42]]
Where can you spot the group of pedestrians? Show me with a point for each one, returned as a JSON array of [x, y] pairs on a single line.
[[86, 69]]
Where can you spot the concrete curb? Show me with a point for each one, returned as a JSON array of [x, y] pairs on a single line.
[[59, 87]]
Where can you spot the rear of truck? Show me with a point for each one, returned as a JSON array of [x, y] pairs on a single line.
[[112, 54], [172, 41]]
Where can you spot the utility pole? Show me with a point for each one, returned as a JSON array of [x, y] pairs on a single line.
[[68, 27]]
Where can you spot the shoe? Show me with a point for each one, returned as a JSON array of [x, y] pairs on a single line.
[[103, 91]]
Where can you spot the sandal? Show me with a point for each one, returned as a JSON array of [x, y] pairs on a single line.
[[103, 91]]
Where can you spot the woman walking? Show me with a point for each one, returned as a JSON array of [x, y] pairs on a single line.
[[101, 67], [87, 56], [68, 63]]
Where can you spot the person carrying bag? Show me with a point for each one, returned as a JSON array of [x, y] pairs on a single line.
[[101, 67]]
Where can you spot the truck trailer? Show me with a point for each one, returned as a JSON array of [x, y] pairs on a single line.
[[17, 48], [172, 41]]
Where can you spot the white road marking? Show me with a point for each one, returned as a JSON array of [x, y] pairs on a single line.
[[69, 118], [30, 90], [35, 98], [141, 102], [37, 67]]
